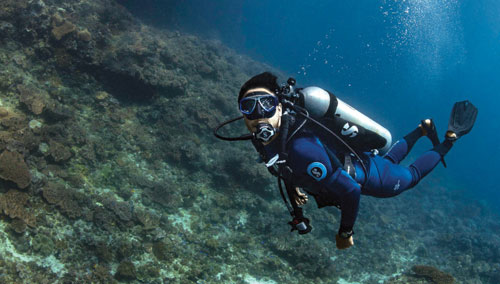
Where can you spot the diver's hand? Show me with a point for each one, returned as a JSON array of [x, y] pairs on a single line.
[[300, 197], [344, 243]]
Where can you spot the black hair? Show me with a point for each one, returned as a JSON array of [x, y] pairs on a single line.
[[264, 80]]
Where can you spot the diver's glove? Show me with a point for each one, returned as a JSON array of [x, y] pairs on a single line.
[[344, 238], [343, 243]]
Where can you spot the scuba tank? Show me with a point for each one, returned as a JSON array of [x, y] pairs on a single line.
[[358, 130]]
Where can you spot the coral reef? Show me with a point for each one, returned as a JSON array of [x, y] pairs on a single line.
[[433, 274], [125, 271], [32, 98], [66, 199], [13, 204], [62, 27], [421, 274], [13, 168]]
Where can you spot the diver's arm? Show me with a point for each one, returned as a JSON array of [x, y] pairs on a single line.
[[349, 192], [308, 156]]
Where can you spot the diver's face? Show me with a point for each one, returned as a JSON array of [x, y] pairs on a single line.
[[274, 120]]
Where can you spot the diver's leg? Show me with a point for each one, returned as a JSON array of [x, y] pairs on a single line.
[[402, 147], [399, 150], [428, 161], [393, 179], [443, 148], [423, 165]]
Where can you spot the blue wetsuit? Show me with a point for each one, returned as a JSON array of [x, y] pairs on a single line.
[[314, 170]]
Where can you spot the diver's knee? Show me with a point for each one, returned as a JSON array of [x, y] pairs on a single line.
[[416, 176]]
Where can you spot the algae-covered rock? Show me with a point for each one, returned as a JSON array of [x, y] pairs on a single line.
[[126, 271], [13, 168], [18, 226], [66, 199], [148, 219], [61, 27], [103, 252], [3, 112], [14, 121], [43, 148], [84, 35], [32, 98], [34, 124], [13, 204], [101, 274], [123, 210], [434, 274], [101, 96], [58, 152], [148, 271], [43, 244], [163, 250]]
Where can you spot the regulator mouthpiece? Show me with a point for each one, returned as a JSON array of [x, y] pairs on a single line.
[[265, 132]]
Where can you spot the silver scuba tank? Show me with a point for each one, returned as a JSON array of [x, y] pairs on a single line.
[[350, 124]]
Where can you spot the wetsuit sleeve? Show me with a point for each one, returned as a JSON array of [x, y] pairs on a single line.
[[308, 157]]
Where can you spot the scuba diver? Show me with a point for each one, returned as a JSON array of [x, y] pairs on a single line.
[[314, 142]]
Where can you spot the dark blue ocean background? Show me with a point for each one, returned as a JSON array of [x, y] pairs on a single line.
[[396, 61]]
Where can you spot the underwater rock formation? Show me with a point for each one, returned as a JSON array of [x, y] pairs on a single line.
[[33, 100], [13, 168], [433, 274], [126, 271], [62, 27], [13, 204], [66, 199], [423, 274]]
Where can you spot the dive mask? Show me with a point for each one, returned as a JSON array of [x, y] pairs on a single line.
[[258, 105]]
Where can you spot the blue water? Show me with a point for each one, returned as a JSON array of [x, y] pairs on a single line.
[[396, 61]]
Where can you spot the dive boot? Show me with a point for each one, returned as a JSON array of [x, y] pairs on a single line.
[[462, 119], [430, 131]]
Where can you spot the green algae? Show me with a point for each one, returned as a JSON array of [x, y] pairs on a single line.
[[43, 244]]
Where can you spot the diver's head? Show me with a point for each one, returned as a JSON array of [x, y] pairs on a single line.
[[260, 106]]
